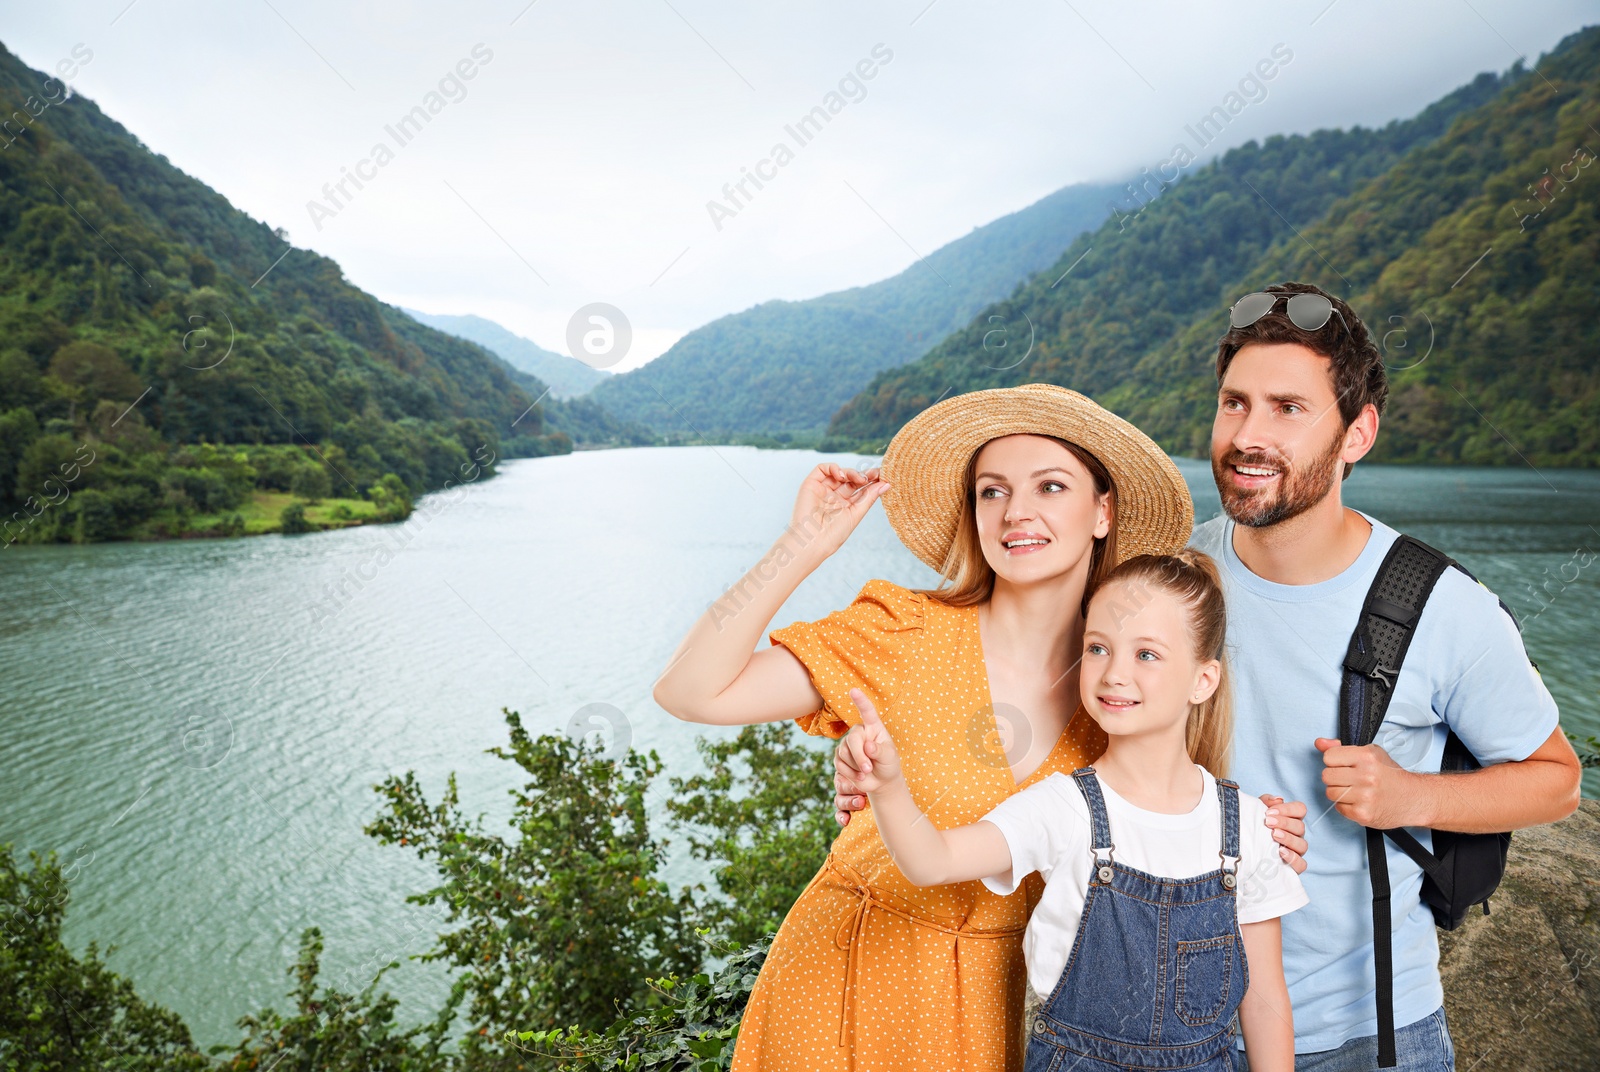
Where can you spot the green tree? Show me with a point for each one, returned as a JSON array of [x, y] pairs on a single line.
[[90, 516], [46, 466], [692, 1028], [1588, 749], [392, 498], [62, 1013], [311, 483], [757, 815], [99, 371], [18, 429], [330, 1031], [572, 951], [20, 382], [564, 923]]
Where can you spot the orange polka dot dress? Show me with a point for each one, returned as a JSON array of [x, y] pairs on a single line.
[[869, 973]]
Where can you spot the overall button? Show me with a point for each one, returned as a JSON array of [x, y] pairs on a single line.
[[1039, 1027], [1105, 875], [1227, 881]]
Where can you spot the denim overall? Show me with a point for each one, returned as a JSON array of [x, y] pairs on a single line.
[[1157, 970]]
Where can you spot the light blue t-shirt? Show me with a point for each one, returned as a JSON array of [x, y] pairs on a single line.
[[1466, 670]]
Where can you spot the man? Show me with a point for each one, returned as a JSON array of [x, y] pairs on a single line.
[[1297, 407]]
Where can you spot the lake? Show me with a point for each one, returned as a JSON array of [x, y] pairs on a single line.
[[195, 726]]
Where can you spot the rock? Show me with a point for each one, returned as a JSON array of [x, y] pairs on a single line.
[[1522, 985]]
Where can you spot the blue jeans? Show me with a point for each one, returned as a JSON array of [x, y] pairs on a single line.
[[1420, 1047]]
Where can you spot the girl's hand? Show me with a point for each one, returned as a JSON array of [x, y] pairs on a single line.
[[869, 755], [1288, 822], [831, 503]]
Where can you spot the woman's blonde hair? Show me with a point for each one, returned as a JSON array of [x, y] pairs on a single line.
[[967, 578], [1192, 578]]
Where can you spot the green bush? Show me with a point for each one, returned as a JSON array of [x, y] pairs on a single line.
[[206, 489], [568, 951], [330, 1031], [565, 923], [292, 521], [757, 815], [693, 1028], [61, 1013], [392, 498]]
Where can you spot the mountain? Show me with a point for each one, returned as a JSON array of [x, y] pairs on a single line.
[[1477, 266], [567, 376], [1466, 237], [581, 420], [785, 367], [168, 362]]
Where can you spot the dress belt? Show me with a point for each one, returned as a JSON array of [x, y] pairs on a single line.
[[856, 924]]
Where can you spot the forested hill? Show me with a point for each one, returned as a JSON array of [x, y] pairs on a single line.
[[567, 376], [198, 360], [785, 366], [1467, 238]]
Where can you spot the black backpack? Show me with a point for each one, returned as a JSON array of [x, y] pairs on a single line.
[[1463, 869]]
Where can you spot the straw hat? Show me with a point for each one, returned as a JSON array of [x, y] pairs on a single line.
[[926, 465]]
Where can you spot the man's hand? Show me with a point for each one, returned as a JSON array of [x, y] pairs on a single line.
[[1287, 820], [1368, 787]]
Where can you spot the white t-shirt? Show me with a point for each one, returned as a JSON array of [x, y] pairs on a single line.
[[1048, 830]]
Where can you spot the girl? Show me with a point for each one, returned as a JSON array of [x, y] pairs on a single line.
[[1142, 947]]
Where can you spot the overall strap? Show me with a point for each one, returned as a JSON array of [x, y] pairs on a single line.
[[1090, 787], [1228, 796]]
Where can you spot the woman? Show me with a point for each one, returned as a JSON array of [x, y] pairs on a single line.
[[1020, 498]]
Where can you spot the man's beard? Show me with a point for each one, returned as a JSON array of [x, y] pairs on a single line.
[[1299, 488]]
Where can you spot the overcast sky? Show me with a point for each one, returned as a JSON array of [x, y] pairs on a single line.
[[577, 163]]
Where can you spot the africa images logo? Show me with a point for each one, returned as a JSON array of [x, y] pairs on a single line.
[[452, 89], [851, 89]]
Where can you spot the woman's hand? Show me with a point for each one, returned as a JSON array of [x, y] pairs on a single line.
[[870, 755], [716, 676], [1287, 821], [831, 503]]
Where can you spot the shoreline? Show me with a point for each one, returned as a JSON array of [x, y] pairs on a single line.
[[261, 516]]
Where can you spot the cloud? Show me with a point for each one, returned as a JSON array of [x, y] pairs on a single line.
[[584, 164]]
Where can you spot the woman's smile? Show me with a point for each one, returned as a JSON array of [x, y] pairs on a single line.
[[1023, 542]]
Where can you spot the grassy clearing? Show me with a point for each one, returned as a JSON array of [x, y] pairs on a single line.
[[263, 514]]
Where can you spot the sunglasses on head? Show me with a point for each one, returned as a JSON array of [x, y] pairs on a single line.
[[1308, 311]]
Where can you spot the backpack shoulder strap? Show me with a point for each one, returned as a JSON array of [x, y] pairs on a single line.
[[1383, 635], [1372, 665]]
